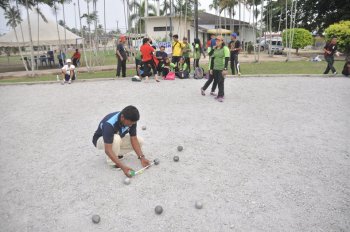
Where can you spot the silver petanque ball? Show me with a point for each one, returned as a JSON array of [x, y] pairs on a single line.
[[180, 148], [158, 209], [198, 205], [176, 158], [127, 181], [96, 219], [156, 161]]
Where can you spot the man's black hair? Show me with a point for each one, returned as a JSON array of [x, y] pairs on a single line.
[[145, 40], [162, 46], [131, 113]]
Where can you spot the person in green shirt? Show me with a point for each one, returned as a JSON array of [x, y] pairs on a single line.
[[220, 56], [186, 52], [167, 67], [181, 70], [197, 52], [138, 61]]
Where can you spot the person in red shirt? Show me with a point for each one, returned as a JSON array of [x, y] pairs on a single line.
[[147, 59], [76, 58]]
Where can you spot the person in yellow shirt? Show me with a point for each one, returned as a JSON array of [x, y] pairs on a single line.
[[177, 47]]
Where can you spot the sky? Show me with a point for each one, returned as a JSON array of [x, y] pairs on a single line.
[[114, 13]]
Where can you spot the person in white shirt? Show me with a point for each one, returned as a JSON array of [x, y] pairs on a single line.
[[68, 73]]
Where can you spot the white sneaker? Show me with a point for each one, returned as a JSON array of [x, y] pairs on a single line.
[[335, 73], [69, 81]]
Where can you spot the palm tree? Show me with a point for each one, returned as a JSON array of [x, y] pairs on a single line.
[[82, 36], [30, 37], [136, 18], [55, 10], [14, 18], [4, 4], [40, 14]]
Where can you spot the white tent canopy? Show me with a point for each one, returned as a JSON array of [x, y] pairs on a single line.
[[47, 34]]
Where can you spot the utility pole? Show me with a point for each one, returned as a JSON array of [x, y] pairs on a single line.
[[196, 17]]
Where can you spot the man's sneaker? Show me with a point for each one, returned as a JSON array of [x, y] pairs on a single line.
[[213, 94], [120, 157], [202, 92], [69, 82], [335, 73], [239, 74], [220, 99], [136, 78]]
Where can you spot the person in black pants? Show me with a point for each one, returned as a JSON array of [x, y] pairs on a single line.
[[121, 56], [220, 56], [329, 50], [235, 48]]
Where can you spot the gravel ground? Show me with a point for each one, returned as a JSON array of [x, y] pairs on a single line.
[[274, 156]]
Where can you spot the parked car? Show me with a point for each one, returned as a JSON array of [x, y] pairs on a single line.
[[276, 45]]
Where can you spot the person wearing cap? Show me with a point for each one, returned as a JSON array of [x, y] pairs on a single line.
[[235, 48], [186, 51], [177, 47], [68, 72], [121, 56], [116, 135], [220, 55]]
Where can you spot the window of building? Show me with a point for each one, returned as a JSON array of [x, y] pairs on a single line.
[[161, 29]]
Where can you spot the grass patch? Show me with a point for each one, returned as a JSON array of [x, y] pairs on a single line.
[[292, 67]]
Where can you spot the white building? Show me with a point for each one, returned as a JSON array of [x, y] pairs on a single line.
[[158, 27]]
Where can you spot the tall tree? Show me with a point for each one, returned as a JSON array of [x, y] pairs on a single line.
[[136, 18], [14, 18]]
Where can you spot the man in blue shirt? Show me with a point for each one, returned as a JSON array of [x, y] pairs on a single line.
[[111, 135]]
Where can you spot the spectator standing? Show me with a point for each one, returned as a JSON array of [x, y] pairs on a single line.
[[177, 47], [329, 50], [186, 52], [235, 47], [121, 56]]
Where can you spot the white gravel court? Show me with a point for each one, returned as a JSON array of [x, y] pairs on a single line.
[[274, 156]]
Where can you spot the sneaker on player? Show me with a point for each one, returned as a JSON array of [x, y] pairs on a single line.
[[220, 99]]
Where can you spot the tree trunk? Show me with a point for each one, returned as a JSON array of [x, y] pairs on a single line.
[[20, 52], [65, 34], [31, 39], [58, 32], [83, 38]]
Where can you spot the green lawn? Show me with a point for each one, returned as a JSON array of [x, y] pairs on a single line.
[[292, 67], [14, 63]]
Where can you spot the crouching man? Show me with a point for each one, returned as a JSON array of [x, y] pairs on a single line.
[[111, 135], [68, 72]]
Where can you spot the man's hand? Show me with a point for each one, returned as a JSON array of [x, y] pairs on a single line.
[[121, 58], [144, 162], [211, 72], [127, 171], [224, 73]]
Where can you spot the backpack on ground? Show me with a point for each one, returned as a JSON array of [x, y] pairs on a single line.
[[198, 73]]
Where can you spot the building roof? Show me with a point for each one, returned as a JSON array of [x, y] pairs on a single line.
[[205, 18]]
